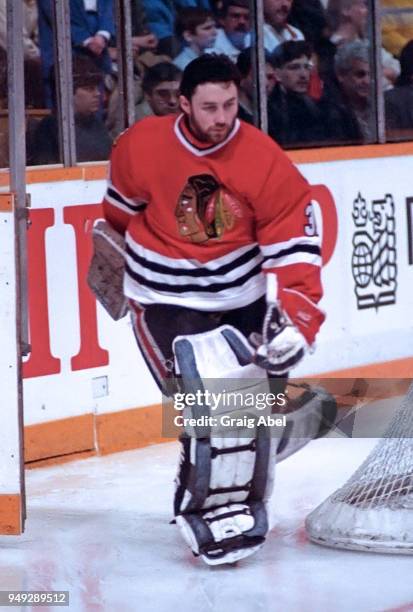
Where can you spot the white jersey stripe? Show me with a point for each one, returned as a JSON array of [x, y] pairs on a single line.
[[119, 205], [228, 299], [294, 258], [184, 263], [202, 281]]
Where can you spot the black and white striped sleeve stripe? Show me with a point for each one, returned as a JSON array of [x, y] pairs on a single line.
[[130, 206], [302, 250]]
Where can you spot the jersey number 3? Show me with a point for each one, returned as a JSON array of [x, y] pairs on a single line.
[[310, 228]]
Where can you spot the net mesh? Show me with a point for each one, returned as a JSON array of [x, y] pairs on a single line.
[[374, 508]]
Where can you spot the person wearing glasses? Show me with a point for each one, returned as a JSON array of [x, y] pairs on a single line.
[[161, 91]]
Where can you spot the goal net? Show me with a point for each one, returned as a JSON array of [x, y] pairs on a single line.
[[373, 511]]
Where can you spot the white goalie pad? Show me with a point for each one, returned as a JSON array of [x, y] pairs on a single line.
[[227, 465]]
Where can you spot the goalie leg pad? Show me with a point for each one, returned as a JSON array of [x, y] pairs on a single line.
[[223, 482], [225, 534]]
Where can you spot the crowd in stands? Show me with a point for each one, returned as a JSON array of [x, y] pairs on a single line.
[[317, 68]]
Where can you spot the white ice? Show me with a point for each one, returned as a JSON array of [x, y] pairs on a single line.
[[99, 528]]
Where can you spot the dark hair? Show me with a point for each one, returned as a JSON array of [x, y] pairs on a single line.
[[244, 61], [85, 72], [190, 18], [164, 71], [208, 68], [289, 51], [226, 4], [406, 65]]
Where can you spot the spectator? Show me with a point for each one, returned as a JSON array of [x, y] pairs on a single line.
[[142, 37], [162, 15], [399, 101], [346, 105], [196, 27], [161, 90], [309, 16], [246, 90], [91, 30], [92, 27], [143, 40], [33, 82], [114, 117], [293, 117], [92, 138], [145, 51], [349, 20], [234, 35], [30, 29], [276, 28]]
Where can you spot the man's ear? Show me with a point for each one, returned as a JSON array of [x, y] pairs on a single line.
[[187, 36], [278, 74], [185, 104]]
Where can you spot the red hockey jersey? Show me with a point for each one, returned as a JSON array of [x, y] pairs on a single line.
[[204, 223]]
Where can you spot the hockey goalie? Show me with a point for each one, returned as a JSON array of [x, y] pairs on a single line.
[[215, 231]]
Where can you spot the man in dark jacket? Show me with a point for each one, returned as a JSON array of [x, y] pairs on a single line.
[[293, 117], [347, 100]]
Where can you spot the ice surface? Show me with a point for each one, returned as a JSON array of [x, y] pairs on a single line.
[[100, 528]]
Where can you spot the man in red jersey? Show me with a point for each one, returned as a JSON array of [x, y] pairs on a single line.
[[218, 248]]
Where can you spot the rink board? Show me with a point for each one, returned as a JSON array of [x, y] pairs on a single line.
[[85, 373], [11, 521]]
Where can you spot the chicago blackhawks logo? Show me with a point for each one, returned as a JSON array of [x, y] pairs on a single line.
[[206, 209], [374, 261]]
